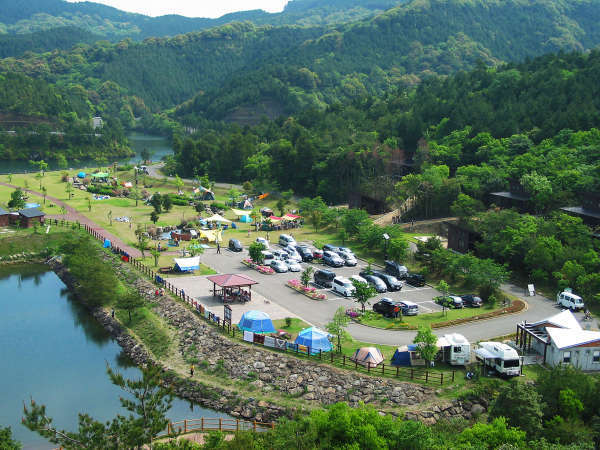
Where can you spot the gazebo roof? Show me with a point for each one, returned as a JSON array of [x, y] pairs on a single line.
[[231, 280]]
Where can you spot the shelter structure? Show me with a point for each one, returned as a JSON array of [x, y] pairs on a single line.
[[407, 355], [187, 264], [516, 197], [367, 356], [257, 322], [589, 211], [204, 193], [27, 217], [315, 339], [218, 219], [580, 348], [243, 216], [100, 176], [231, 287], [4, 217]]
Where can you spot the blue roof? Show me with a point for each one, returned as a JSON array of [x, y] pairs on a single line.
[[315, 339], [257, 322]]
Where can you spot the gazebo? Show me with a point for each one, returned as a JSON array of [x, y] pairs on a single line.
[[231, 287]]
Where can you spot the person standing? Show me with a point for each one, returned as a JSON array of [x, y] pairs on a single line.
[[112, 313], [218, 247], [192, 370]]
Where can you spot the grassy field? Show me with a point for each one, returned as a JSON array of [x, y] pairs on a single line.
[[27, 240], [149, 328], [377, 320]]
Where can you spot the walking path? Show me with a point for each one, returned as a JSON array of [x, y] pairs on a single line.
[[154, 172], [73, 215]]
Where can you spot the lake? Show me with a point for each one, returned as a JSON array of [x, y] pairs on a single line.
[[53, 350], [158, 147]]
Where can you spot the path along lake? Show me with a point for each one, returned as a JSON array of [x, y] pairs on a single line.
[[158, 147], [53, 350]]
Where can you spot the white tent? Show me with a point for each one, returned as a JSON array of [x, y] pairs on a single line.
[[217, 218], [187, 264]]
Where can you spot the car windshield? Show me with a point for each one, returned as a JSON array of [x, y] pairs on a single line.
[[511, 363]]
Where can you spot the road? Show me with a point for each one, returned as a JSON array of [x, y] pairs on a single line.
[[154, 172], [320, 312]]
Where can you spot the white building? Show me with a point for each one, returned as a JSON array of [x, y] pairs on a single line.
[[97, 122]]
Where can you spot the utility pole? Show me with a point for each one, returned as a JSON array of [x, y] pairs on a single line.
[[137, 195]]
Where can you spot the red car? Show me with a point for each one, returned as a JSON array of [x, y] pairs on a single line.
[[317, 254]]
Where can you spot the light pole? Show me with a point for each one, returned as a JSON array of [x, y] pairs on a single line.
[[386, 237]]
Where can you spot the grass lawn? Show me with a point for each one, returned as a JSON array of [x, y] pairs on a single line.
[[26, 240], [149, 328], [377, 320], [168, 261], [295, 327]]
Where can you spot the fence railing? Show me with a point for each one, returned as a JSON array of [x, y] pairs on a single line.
[[204, 424], [406, 373]]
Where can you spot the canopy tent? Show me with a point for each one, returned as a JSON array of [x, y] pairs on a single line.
[[210, 235], [291, 217], [127, 184], [257, 322], [245, 219], [274, 219], [317, 340], [407, 355], [367, 356], [106, 243], [239, 212], [100, 175], [81, 175], [187, 264], [231, 287], [205, 194], [218, 218], [247, 204]]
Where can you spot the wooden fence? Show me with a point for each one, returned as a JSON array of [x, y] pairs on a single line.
[[406, 373], [205, 424]]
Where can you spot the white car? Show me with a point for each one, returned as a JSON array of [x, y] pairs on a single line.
[[293, 266], [263, 241], [569, 300], [359, 279], [348, 258], [279, 266], [295, 256], [343, 286], [280, 254]]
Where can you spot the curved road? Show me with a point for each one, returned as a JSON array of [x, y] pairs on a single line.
[[154, 172]]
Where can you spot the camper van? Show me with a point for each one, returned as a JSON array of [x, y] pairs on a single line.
[[454, 349], [501, 357], [567, 299]]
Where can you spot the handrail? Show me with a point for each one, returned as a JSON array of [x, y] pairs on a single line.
[[203, 424]]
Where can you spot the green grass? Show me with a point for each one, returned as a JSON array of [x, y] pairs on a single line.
[[296, 326], [149, 328], [168, 261], [377, 320], [26, 240]]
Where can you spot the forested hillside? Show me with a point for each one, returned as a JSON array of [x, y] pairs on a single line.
[[470, 132], [62, 38], [113, 24]]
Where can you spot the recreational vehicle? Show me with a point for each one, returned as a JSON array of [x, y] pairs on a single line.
[[502, 358], [454, 349]]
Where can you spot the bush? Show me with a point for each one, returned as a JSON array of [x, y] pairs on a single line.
[[217, 205], [102, 190]]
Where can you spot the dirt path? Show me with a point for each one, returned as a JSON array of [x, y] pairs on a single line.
[[154, 172], [75, 216]]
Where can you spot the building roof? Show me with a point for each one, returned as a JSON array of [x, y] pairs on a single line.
[[510, 195], [31, 212], [564, 319], [231, 280], [564, 338], [3, 212], [581, 211], [452, 339]]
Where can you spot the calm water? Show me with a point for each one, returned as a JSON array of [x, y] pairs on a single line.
[[51, 349], [157, 145]]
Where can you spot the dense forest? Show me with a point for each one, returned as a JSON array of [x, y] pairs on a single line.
[[62, 38]]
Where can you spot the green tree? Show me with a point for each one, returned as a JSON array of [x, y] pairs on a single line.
[[17, 200], [521, 406], [145, 154], [540, 189], [492, 435], [466, 206], [89, 203], [156, 255], [363, 293], [154, 216], [255, 251], [426, 343], [551, 382], [316, 218], [179, 183], [156, 202], [570, 406], [148, 401], [306, 275], [353, 219], [398, 248], [61, 161], [167, 203], [337, 326], [130, 301], [6, 440], [69, 190]]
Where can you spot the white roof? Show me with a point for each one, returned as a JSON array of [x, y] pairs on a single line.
[[187, 262], [217, 218], [564, 319], [564, 338], [499, 350], [452, 339]]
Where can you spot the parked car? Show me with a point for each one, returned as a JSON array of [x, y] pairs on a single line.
[[267, 257], [324, 277], [295, 256], [285, 239], [387, 307], [391, 282], [305, 253], [330, 248], [346, 250], [359, 279], [343, 286], [293, 265], [471, 300], [282, 255], [263, 241], [569, 300], [396, 269], [449, 301], [317, 253], [349, 259], [279, 266], [235, 245], [374, 281], [409, 308], [415, 279], [332, 259]]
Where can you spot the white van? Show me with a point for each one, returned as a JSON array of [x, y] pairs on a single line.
[[569, 300], [343, 286], [286, 239], [268, 257]]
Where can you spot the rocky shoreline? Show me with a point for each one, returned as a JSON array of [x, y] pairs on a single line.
[[264, 370]]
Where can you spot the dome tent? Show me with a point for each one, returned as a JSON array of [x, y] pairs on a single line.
[[317, 340], [367, 356], [257, 322]]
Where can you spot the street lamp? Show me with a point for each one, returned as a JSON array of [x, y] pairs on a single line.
[[386, 237]]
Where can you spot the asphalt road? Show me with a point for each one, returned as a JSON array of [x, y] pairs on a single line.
[[320, 312]]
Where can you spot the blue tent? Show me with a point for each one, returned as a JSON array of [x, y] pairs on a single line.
[[257, 322], [246, 219], [315, 339], [81, 175], [106, 243], [407, 355]]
